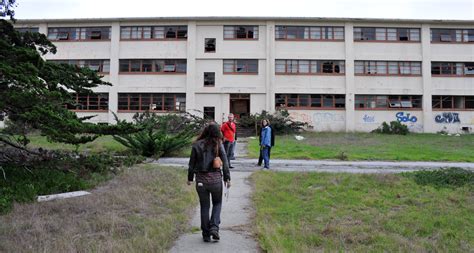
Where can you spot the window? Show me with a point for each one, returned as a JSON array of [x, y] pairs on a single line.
[[452, 69], [453, 102], [151, 102], [309, 33], [102, 66], [241, 32], [89, 102], [302, 67], [209, 45], [387, 68], [153, 32], [384, 102], [386, 34], [241, 66], [79, 33], [310, 101], [152, 66], [452, 35], [209, 113], [209, 79], [27, 29]]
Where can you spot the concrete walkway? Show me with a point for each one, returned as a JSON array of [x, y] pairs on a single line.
[[249, 165], [235, 229]]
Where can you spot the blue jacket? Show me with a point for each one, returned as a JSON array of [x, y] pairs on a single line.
[[266, 136]]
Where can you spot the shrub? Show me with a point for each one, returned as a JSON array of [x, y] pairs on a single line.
[[161, 134], [395, 127], [450, 177], [281, 122]]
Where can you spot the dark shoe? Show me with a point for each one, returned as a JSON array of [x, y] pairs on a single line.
[[232, 158], [231, 167], [259, 164], [206, 238], [215, 235]]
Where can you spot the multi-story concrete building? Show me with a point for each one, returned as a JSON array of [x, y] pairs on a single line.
[[338, 74]]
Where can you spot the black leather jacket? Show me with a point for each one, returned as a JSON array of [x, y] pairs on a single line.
[[201, 160]]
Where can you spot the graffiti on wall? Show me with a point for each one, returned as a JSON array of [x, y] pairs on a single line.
[[368, 118], [448, 118], [303, 117], [401, 117], [317, 117]]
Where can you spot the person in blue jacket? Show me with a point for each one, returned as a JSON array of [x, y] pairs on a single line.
[[266, 143]]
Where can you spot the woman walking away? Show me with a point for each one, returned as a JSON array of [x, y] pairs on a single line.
[[265, 143], [207, 158]]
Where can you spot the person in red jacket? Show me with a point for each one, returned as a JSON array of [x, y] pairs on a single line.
[[228, 131]]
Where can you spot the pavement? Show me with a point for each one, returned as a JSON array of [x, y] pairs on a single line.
[[235, 228]]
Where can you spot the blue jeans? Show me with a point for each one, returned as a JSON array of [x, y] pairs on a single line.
[[205, 192], [228, 149], [266, 157]]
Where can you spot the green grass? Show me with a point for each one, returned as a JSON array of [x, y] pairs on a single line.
[[309, 212], [101, 144], [368, 146]]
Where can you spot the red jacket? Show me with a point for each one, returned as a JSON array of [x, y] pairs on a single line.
[[228, 130]]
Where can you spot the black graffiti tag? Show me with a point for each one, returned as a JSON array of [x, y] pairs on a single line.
[[448, 117]]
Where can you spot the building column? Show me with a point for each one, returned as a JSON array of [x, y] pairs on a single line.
[[191, 75], [114, 70], [270, 70], [428, 124], [350, 82]]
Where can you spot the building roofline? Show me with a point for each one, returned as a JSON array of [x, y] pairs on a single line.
[[236, 18]]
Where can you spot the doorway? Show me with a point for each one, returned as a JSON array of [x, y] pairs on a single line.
[[240, 105]]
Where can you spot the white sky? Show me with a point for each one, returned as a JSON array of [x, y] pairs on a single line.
[[405, 9]]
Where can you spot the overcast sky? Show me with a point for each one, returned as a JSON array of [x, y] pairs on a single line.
[[406, 9]]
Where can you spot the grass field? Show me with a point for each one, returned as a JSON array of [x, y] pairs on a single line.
[[313, 212], [368, 146], [142, 210]]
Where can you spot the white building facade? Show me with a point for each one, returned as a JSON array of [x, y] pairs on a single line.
[[336, 74]]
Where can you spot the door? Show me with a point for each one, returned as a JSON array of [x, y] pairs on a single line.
[[240, 105]]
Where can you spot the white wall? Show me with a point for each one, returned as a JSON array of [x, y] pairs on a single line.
[[309, 84], [321, 120], [453, 121], [388, 85], [175, 49]]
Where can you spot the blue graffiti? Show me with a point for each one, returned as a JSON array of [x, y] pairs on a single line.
[[448, 117], [368, 119], [402, 118]]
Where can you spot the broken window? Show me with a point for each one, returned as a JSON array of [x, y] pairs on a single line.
[[240, 66], [309, 33], [209, 112], [209, 79], [240, 32], [386, 34], [210, 45]]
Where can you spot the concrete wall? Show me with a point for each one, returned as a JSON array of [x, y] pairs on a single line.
[[263, 86]]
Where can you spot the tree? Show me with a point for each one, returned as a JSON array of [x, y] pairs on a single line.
[[161, 134], [34, 92]]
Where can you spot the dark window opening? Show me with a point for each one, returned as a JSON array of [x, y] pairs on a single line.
[[209, 79], [209, 112], [210, 45]]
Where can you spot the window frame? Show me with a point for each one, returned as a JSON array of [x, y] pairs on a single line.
[[441, 107], [207, 109], [86, 63], [80, 33], [207, 42], [386, 40], [311, 30], [153, 71], [160, 99], [310, 97], [319, 67], [366, 98], [234, 29], [453, 69], [453, 33], [235, 66], [213, 79], [387, 65], [153, 30], [101, 97]]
